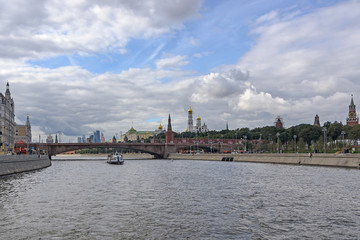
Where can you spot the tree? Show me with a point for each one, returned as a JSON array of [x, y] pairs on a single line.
[[334, 130], [354, 132], [310, 133], [301, 145]]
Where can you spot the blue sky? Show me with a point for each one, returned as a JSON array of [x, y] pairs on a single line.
[[80, 66], [220, 35]]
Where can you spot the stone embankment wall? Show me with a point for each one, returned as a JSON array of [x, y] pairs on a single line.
[[10, 164], [330, 160]]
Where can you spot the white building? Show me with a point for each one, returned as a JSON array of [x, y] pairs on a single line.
[[159, 130], [7, 122], [198, 127], [190, 125]]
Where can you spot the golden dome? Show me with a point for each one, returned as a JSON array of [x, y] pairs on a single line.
[[198, 118], [160, 127], [190, 111], [132, 130]]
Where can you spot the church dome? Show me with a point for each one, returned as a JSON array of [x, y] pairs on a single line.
[[160, 127], [189, 111], [198, 118], [132, 130]]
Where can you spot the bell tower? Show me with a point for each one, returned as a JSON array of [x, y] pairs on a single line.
[[352, 119], [190, 124]]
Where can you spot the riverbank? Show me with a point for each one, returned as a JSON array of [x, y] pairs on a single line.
[[10, 164], [328, 160]]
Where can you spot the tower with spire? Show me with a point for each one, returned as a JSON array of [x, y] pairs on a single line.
[[169, 133], [352, 119], [7, 122]]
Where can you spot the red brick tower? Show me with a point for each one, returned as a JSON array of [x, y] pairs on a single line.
[[169, 133], [278, 123], [352, 119], [317, 121]]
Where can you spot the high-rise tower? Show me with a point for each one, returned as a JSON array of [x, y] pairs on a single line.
[[352, 119]]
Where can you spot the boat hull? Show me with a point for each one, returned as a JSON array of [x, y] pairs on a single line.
[[116, 162]]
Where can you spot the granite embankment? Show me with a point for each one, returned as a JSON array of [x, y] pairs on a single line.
[[10, 164], [329, 160]]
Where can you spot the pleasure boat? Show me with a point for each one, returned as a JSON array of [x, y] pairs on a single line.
[[115, 159]]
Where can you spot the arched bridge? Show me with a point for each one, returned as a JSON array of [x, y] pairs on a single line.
[[159, 150]]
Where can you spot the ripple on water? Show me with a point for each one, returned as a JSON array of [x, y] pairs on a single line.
[[159, 199]]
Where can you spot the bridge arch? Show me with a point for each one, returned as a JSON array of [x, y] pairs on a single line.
[[159, 150]]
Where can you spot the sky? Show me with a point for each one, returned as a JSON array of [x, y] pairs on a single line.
[[76, 66]]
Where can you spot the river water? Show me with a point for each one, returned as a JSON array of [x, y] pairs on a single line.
[[164, 199]]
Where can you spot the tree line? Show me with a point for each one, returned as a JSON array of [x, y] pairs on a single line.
[[299, 138]]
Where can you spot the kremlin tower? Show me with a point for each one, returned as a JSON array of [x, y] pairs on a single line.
[[169, 133], [278, 123], [317, 121], [352, 119]]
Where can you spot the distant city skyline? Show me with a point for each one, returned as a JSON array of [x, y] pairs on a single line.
[[76, 67]]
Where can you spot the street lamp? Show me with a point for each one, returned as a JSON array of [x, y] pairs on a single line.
[[278, 149], [343, 135], [324, 130], [245, 137], [295, 143]]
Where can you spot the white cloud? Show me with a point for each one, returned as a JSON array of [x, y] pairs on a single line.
[[267, 17], [299, 66], [194, 41], [202, 54], [250, 100], [172, 62], [45, 28], [219, 85], [315, 53]]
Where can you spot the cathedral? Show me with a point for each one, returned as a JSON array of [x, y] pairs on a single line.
[[190, 124], [352, 119]]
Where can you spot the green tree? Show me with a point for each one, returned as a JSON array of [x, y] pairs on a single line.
[[334, 130], [354, 132], [310, 133]]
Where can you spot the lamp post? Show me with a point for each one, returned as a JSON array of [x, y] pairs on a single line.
[[236, 142], [343, 135], [271, 143], [245, 137], [324, 130], [295, 143], [277, 135]]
